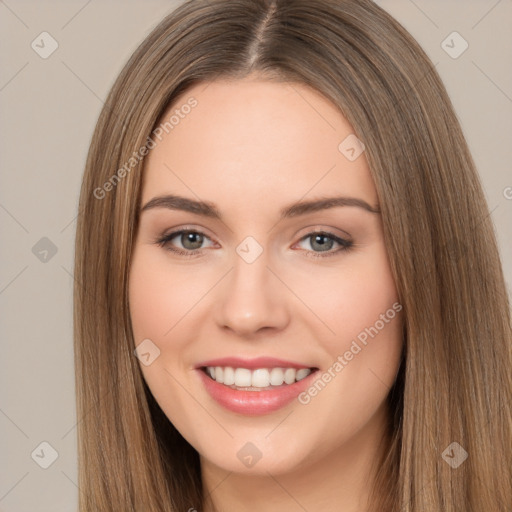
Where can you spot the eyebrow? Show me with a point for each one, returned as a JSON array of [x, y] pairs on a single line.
[[207, 209]]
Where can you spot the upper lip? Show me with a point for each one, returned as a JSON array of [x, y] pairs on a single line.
[[252, 364]]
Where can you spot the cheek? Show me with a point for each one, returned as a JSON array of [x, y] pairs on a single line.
[[158, 297], [367, 320], [159, 300], [366, 304], [354, 299], [361, 306], [150, 309]]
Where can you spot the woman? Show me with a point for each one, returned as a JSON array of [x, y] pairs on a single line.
[[289, 294]]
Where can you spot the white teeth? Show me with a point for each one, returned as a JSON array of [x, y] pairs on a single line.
[[229, 376], [302, 373], [289, 375], [276, 376], [243, 377], [259, 378]]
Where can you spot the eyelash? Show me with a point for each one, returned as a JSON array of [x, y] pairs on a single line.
[[345, 245]]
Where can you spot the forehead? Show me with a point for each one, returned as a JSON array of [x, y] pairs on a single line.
[[236, 142]]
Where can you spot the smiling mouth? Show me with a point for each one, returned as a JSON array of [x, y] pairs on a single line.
[[260, 379]]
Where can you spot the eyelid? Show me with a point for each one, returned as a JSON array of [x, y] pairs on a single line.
[[328, 230], [186, 229]]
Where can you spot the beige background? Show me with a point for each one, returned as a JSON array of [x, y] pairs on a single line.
[[49, 108]]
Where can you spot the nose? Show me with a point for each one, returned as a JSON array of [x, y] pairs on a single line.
[[252, 300]]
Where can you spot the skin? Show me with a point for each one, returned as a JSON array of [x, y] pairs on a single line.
[[253, 147]]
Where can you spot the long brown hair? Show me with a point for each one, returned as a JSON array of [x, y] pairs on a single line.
[[454, 385]]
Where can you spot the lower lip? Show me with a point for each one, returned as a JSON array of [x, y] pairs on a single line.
[[254, 402]]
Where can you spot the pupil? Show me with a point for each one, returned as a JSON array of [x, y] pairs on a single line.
[[192, 240], [322, 242]]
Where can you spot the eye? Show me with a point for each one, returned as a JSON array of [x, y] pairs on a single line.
[[187, 242], [323, 242], [320, 242]]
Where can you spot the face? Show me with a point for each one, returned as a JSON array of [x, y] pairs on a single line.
[[243, 271]]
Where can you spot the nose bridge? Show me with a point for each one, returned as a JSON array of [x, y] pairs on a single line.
[[251, 298]]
